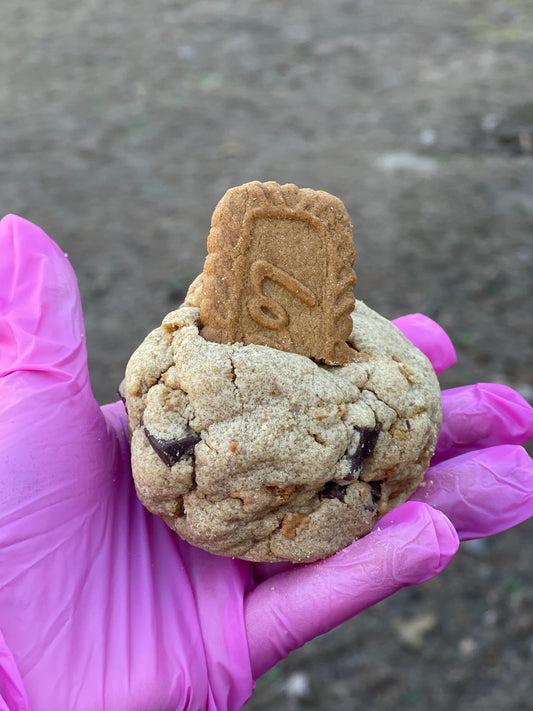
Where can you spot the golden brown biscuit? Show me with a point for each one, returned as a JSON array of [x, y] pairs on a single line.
[[279, 272]]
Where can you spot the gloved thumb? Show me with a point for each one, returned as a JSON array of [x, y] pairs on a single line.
[[51, 424], [41, 324]]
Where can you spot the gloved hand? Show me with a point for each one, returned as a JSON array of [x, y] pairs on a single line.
[[102, 607]]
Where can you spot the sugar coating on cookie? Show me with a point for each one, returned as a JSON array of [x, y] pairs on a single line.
[[253, 452]]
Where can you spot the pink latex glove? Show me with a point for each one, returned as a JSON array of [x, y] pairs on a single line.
[[102, 607]]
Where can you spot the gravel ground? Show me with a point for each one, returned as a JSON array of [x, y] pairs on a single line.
[[123, 123]]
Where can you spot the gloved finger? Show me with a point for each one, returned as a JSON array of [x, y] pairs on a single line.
[[41, 323], [50, 420], [410, 545], [428, 337], [482, 415], [483, 492], [263, 571], [13, 696], [116, 416]]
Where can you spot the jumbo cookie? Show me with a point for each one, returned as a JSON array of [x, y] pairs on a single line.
[[273, 417]]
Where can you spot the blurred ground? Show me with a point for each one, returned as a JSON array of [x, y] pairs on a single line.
[[123, 123]]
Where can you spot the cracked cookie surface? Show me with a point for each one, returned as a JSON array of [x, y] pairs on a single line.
[[265, 455]]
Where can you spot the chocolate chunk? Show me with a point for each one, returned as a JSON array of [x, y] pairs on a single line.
[[367, 443], [180, 508], [375, 490], [172, 450], [333, 490]]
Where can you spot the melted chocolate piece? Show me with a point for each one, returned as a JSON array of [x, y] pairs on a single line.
[[367, 443], [332, 490], [172, 450], [375, 490]]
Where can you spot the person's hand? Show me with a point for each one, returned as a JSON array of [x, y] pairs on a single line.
[[104, 607]]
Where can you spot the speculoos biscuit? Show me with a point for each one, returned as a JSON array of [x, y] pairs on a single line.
[[279, 272]]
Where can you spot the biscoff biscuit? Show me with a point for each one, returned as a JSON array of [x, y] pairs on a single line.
[[279, 272]]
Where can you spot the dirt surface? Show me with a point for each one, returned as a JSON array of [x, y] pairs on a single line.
[[123, 123]]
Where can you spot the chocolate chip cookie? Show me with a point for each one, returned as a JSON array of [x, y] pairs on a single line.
[[266, 454]]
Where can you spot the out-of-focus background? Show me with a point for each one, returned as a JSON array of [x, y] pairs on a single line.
[[124, 122]]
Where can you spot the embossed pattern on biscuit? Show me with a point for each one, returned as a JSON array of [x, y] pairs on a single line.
[[279, 272]]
